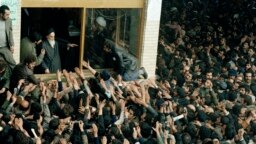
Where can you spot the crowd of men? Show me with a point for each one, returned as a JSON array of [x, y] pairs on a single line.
[[206, 62], [203, 92]]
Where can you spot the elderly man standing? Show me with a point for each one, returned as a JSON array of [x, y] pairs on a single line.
[[52, 62], [6, 36]]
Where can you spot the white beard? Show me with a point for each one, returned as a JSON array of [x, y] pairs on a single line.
[[52, 43]]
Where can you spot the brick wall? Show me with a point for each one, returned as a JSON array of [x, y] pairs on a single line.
[[150, 37]]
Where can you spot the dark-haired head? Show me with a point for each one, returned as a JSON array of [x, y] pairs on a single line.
[[186, 138], [54, 123], [35, 37], [151, 141], [48, 136], [3, 8], [230, 132], [4, 12], [21, 138], [76, 136], [108, 47], [127, 131], [35, 108], [146, 129], [114, 131], [116, 141], [30, 59], [68, 109]]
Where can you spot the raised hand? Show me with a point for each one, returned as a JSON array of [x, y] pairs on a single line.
[[157, 128], [95, 130], [80, 73], [81, 125], [135, 134], [72, 45], [113, 108], [21, 82], [65, 73], [81, 109], [122, 104], [86, 64], [74, 81], [102, 104], [8, 95], [42, 51], [14, 99]]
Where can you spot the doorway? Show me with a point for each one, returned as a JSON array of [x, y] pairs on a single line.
[[66, 23]]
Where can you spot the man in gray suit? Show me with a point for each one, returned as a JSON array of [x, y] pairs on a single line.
[[6, 36]]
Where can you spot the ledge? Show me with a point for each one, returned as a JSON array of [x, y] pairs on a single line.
[[52, 76]]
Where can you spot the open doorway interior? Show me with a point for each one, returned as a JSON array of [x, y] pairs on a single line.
[[120, 27], [66, 23]]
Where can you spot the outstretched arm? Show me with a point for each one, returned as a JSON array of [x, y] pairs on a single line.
[[87, 65]]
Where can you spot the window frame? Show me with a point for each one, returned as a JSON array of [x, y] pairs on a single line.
[[92, 4]]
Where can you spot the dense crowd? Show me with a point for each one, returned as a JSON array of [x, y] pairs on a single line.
[[206, 62], [203, 92]]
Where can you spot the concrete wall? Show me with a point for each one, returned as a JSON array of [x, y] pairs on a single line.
[[150, 36]]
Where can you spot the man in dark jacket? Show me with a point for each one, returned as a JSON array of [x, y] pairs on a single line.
[[24, 71], [112, 60], [124, 63]]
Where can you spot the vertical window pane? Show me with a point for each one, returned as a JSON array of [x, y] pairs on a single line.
[[119, 27]]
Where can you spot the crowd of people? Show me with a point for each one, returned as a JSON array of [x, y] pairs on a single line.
[[206, 62], [203, 92]]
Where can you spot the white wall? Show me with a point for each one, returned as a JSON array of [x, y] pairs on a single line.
[[150, 36]]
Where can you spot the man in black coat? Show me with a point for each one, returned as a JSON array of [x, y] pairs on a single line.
[[52, 59]]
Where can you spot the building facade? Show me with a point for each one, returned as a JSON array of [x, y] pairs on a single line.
[[135, 23]]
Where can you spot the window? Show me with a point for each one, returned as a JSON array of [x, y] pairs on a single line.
[[123, 24], [120, 27]]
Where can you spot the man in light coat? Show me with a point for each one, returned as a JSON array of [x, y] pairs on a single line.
[[6, 36]]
